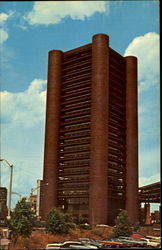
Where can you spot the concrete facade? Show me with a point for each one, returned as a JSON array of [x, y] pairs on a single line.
[[91, 136]]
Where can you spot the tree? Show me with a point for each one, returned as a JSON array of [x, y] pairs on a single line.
[[123, 225], [22, 219], [58, 222], [83, 222]]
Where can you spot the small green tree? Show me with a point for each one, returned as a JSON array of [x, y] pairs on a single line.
[[83, 222], [123, 226], [22, 219], [58, 222], [136, 227]]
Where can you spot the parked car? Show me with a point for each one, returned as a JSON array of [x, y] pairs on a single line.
[[154, 238], [150, 242], [90, 241], [54, 245], [74, 245], [129, 241], [69, 244]]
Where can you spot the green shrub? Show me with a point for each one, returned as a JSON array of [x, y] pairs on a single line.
[[83, 223], [58, 222], [136, 226], [40, 224], [123, 226]]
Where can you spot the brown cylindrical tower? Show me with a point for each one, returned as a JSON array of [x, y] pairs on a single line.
[[147, 214], [131, 139], [52, 132], [98, 190]]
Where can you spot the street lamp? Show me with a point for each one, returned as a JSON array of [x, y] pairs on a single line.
[[38, 196], [10, 192], [34, 189]]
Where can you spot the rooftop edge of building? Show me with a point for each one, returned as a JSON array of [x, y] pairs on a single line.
[[84, 47]]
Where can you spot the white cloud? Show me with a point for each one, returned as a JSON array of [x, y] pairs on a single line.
[[3, 18], [22, 132], [3, 35], [25, 108], [52, 12], [3, 32], [147, 49]]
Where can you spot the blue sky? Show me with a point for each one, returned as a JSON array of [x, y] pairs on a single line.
[[28, 31]]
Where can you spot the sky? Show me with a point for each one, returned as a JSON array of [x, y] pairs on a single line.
[[28, 30]]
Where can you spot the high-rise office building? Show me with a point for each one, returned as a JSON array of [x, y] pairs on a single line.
[[91, 135]]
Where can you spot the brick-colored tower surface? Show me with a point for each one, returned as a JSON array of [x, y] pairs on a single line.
[[132, 202], [52, 132], [147, 214], [99, 131], [91, 136]]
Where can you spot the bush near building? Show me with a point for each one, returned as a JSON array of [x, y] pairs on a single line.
[[58, 222], [123, 226], [82, 222]]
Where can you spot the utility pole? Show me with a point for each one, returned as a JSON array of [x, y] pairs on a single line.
[[10, 188], [0, 175]]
